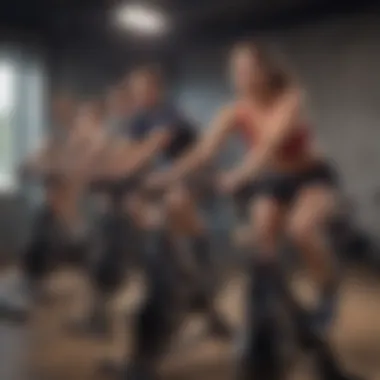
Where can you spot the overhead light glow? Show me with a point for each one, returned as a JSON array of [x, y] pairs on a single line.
[[140, 19]]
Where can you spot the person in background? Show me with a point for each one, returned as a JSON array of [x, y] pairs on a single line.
[[163, 134], [107, 251], [42, 166]]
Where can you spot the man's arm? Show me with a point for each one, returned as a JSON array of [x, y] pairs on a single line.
[[147, 150], [149, 139]]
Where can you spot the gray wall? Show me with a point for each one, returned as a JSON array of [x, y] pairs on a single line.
[[88, 71], [81, 71], [338, 61]]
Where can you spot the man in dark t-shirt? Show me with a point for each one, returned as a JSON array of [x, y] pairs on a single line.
[[166, 119], [163, 136]]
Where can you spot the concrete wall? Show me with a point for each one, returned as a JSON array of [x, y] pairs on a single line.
[[89, 72], [84, 72], [338, 61]]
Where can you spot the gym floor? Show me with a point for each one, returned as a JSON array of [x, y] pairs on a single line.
[[51, 354]]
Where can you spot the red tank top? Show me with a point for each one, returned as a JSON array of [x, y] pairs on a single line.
[[296, 145]]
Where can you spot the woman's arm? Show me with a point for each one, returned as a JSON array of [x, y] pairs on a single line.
[[209, 145], [279, 124]]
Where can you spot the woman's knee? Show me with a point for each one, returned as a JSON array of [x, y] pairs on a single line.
[[311, 214]]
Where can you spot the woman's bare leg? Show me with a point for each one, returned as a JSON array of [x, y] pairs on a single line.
[[313, 209]]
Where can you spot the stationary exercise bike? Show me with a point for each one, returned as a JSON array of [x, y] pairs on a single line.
[[262, 357]]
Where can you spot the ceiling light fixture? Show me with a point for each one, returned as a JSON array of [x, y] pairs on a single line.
[[141, 19]]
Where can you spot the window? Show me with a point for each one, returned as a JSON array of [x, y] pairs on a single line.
[[7, 108]]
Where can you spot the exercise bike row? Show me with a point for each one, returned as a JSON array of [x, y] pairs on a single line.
[[110, 240], [116, 246]]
